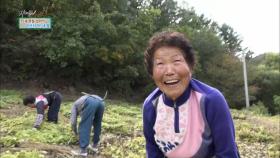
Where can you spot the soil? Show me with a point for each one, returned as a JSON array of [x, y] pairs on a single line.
[[48, 150], [13, 111], [250, 150], [273, 127]]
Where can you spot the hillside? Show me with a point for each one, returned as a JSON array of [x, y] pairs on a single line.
[[256, 135]]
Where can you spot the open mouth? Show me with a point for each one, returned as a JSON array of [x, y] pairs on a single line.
[[171, 82]]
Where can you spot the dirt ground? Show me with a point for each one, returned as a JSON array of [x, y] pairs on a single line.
[[13, 111], [248, 150], [48, 150]]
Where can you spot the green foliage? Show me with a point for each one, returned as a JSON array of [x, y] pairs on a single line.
[[65, 110], [276, 101], [236, 115], [102, 41], [22, 154], [189, 18], [168, 11], [267, 81], [19, 129], [258, 131], [131, 119], [125, 79], [230, 84], [208, 47], [274, 150], [231, 39], [149, 88], [247, 132], [9, 97], [135, 146], [122, 122], [259, 109], [122, 131]]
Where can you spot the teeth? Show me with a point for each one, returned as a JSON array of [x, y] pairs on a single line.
[[171, 81]]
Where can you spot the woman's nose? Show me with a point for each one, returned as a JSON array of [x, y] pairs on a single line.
[[169, 70]]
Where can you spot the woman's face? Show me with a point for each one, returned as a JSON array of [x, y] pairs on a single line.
[[171, 72]]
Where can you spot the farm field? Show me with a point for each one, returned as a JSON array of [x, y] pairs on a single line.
[[257, 135]]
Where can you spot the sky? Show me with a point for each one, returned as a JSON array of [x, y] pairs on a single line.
[[255, 21]]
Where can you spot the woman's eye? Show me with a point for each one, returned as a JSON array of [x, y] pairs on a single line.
[[159, 63]]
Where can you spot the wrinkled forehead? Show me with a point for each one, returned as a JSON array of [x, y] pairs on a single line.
[[168, 52]]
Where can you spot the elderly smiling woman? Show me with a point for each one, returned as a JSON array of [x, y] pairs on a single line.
[[183, 117]]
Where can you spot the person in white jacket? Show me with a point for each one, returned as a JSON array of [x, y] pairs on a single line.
[[51, 100]]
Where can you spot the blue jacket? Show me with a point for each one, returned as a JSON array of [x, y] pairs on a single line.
[[197, 124]]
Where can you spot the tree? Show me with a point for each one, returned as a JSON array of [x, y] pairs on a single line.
[[267, 79], [168, 11], [102, 42], [231, 39], [225, 73]]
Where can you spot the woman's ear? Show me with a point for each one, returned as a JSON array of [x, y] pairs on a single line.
[[191, 71]]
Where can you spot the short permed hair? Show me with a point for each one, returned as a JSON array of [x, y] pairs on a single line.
[[172, 39], [28, 100]]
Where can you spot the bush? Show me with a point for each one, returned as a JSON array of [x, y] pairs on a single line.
[[274, 150], [250, 133], [9, 97], [259, 109], [276, 101], [237, 115]]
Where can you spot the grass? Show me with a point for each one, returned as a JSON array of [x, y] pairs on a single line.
[[256, 135], [9, 97]]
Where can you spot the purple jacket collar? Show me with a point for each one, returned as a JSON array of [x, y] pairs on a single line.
[[179, 101]]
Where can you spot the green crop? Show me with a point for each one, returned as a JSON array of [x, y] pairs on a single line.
[[22, 154], [122, 135]]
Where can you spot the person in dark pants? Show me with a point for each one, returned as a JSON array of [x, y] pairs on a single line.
[[91, 109], [51, 100]]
